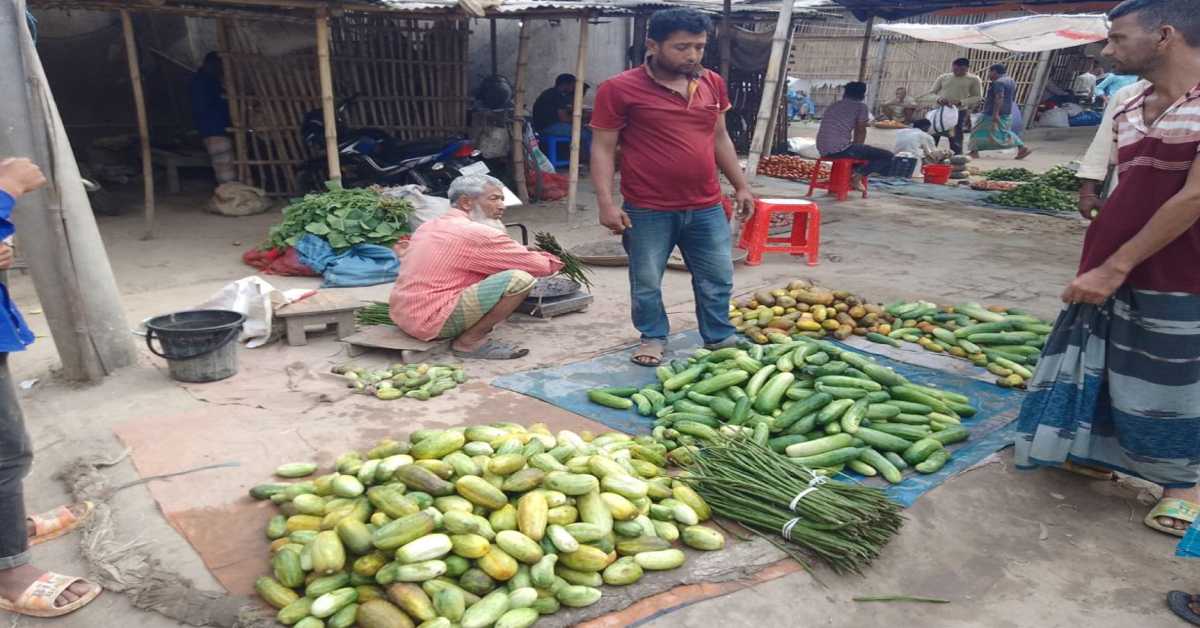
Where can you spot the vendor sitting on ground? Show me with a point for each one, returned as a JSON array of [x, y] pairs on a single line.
[[902, 108], [460, 278]]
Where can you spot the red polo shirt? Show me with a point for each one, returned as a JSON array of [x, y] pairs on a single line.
[[668, 145]]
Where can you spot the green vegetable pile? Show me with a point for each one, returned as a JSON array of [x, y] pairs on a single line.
[[410, 381], [1060, 178], [1036, 195], [343, 217], [1008, 343], [374, 314], [1010, 174]]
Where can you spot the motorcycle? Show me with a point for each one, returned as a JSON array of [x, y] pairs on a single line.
[[371, 156]]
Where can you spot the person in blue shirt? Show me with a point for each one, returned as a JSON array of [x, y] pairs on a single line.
[[25, 589], [1114, 83], [210, 115]]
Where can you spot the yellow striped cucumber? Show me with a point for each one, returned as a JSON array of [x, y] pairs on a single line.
[[660, 560], [486, 611]]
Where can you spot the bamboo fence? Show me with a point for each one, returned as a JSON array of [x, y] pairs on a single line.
[[408, 76]]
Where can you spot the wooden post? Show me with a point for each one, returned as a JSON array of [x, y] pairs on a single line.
[[726, 39], [327, 105], [866, 49], [770, 84], [577, 114], [139, 105], [780, 96], [495, 53], [875, 88], [1039, 85], [518, 131]]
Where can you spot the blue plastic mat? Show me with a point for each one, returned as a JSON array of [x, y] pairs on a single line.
[[954, 194], [567, 386]]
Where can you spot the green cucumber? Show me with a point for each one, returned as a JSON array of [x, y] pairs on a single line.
[[609, 400], [805, 425], [910, 407], [882, 339], [796, 393], [1016, 368], [644, 407], [896, 459], [798, 410], [920, 450], [883, 374], [703, 419], [881, 464], [841, 392], [747, 363], [699, 430], [741, 410], [620, 391], [684, 378], [910, 419], [934, 462], [862, 468], [779, 444], [663, 373], [852, 419], [911, 433], [723, 407], [772, 392], [881, 411], [818, 358], [979, 313], [982, 328], [1002, 338], [832, 368], [961, 409], [994, 355], [951, 435], [833, 411], [829, 458], [841, 381], [720, 382], [819, 445], [882, 440], [908, 393], [720, 355], [759, 379], [691, 407], [945, 335]]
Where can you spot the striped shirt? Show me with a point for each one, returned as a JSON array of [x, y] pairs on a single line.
[[1153, 161], [446, 256]]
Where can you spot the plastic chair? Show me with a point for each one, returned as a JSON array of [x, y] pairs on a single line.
[[839, 177], [553, 142], [805, 238]]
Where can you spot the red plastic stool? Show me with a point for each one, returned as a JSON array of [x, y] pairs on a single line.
[[805, 238], [839, 177]]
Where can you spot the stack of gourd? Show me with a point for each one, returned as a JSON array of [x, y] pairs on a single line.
[[958, 167], [474, 527]]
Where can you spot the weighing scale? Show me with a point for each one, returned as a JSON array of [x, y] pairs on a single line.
[[554, 296]]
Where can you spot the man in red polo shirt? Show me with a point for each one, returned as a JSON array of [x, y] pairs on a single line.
[[668, 116]]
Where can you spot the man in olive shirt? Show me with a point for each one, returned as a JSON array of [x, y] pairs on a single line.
[[960, 89]]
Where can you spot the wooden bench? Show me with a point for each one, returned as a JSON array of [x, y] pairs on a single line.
[[320, 309], [172, 161]]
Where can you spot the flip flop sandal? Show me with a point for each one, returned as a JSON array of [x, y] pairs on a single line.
[[724, 344], [1088, 471], [1178, 602], [1175, 508], [55, 523], [38, 600], [492, 350], [650, 358]]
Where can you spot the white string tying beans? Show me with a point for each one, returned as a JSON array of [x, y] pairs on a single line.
[[787, 528], [816, 481]]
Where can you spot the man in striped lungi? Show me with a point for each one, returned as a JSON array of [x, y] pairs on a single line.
[[1118, 386]]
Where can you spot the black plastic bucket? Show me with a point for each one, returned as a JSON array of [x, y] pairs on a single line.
[[198, 345]]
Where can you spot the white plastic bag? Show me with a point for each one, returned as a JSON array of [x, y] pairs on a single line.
[[425, 207], [257, 300], [943, 119], [804, 147], [1055, 118]]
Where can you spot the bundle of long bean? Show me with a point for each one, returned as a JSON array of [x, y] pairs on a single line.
[[843, 524], [373, 314], [573, 267]]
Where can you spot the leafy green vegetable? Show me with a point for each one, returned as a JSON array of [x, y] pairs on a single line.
[[1060, 178], [1036, 195], [343, 217], [1010, 174]]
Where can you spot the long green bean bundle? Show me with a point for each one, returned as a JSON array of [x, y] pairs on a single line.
[[842, 524], [373, 314], [573, 268]]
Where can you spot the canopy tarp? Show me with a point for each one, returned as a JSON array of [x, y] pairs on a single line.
[[899, 9], [1031, 33]]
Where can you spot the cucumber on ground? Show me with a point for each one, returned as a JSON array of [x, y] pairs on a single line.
[[921, 450], [819, 445], [881, 464], [882, 440], [829, 458], [896, 459], [951, 435], [934, 462], [779, 444], [800, 409], [609, 400], [862, 468]]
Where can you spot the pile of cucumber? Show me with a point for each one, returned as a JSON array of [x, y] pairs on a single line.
[[1007, 342], [403, 381], [828, 408]]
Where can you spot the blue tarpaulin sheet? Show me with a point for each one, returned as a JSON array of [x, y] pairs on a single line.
[[566, 387]]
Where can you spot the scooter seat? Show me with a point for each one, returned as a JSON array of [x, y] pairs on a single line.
[[407, 150]]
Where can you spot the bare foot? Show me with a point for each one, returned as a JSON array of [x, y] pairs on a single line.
[[1189, 494], [1023, 152], [856, 182], [13, 583], [76, 509]]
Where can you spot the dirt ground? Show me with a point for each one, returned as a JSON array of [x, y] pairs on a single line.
[[1007, 548]]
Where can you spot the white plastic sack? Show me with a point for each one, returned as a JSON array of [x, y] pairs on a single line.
[[943, 119], [803, 147], [256, 300], [238, 199], [1055, 118], [425, 208]]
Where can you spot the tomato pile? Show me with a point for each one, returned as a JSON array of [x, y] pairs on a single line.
[[789, 167]]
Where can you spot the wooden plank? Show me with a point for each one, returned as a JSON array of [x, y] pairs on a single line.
[[139, 103]]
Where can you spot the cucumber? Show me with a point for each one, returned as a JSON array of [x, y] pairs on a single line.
[[818, 358], [882, 440], [747, 363], [699, 398], [896, 459], [994, 355], [699, 430], [785, 364], [1002, 338], [968, 346], [772, 392], [1014, 367], [723, 407], [882, 339], [911, 419], [691, 407], [842, 392], [800, 409], [620, 391], [854, 416], [598, 396], [720, 355], [805, 425], [934, 462], [829, 458], [819, 445], [703, 419], [761, 433], [833, 427], [841, 381], [741, 410], [881, 464], [720, 382], [832, 368], [862, 468], [911, 433], [910, 407], [945, 335], [779, 444], [881, 411], [684, 378], [961, 409], [982, 328], [644, 407], [833, 411], [951, 435], [759, 379], [883, 374], [908, 393], [796, 393], [921, 450], [979, 313]]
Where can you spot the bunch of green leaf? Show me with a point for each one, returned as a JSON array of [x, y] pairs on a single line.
[[1060, 178], [343, 217], [1010, 174]]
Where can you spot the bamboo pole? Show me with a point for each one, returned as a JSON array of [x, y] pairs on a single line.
[[577, 115], [726, 39], [780, 96], [518, 128], [866, 49], [139, 105], [229, 76], [770, 85], [1039, 85], [876, 86], [327, 104]]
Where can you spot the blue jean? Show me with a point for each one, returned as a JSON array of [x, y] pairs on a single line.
[[704, 238], [16, 456]]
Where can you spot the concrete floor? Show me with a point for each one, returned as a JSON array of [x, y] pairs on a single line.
[[1014, 549]]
